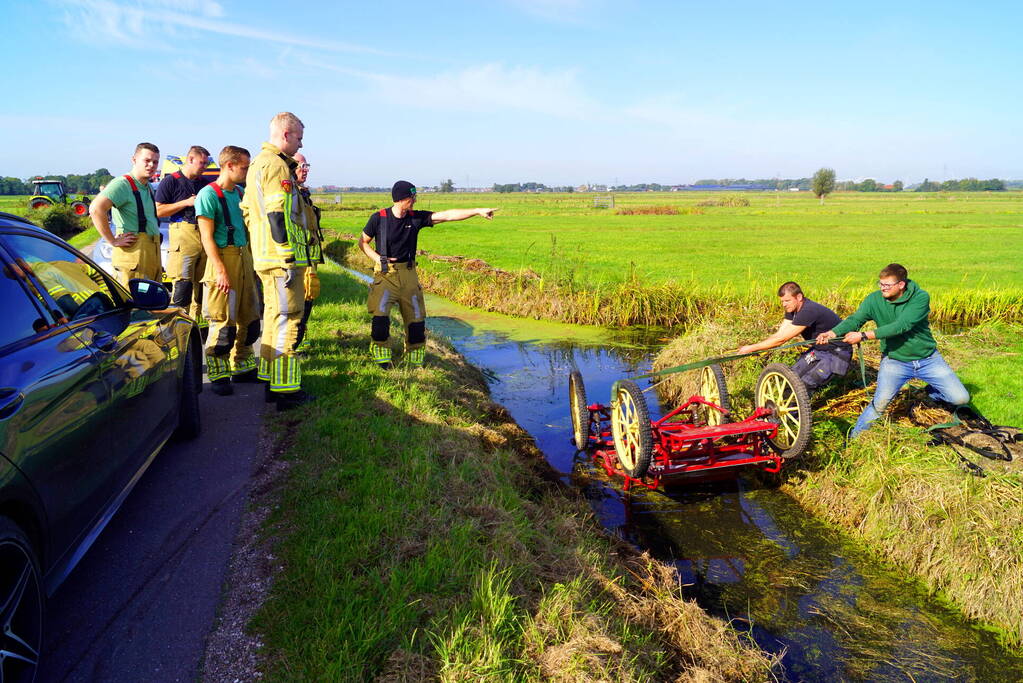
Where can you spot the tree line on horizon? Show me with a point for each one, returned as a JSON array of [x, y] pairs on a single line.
[[88, 183]]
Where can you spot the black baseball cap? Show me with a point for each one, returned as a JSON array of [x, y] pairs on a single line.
[[402, 189]]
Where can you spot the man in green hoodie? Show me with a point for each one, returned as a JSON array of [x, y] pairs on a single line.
[[908, 350]]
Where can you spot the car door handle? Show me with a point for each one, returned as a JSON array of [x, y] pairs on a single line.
[[10, 400]]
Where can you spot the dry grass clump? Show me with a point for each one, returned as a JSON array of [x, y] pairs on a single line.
[[735, 200], [653, 210]]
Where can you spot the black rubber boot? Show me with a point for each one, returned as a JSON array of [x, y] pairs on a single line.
[[247, 377], [293, 399], [222, 386]]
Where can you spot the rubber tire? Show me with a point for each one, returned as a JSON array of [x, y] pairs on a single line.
[[80, 208], [725, 402], [189, 418], [646, 442], [802, 397], [40, 204], [580, 412], [16, 556]]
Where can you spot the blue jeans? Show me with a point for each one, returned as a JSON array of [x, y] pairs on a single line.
[[893, 375]]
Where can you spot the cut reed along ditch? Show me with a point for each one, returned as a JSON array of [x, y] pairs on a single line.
[[910, 502], [424, 538], [561, 294]]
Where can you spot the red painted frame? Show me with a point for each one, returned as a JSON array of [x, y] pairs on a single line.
[[685, 449]]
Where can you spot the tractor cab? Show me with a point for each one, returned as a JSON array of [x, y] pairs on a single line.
[[54, 189]]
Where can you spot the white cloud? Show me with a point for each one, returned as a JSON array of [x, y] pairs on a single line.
[[481, 88], [142, 25]]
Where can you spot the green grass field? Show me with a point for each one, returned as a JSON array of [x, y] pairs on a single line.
[[956, 245]]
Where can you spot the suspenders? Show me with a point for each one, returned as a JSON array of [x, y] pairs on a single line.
[[382, 241], [227, 214], [138, 204]]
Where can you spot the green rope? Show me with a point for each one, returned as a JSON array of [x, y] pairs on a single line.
[[696, 365]]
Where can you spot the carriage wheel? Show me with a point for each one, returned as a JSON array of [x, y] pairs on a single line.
[[579, 410], [782, 392], [630, 426], [713, 389]]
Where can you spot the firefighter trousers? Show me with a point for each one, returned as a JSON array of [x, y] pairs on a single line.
[[140, 260], [233, 316], [186, 265], [283, 305], [399, 285]]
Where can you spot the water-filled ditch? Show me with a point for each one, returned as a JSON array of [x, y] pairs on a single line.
[[744, 552]]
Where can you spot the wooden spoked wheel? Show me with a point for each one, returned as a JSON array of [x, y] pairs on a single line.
[[630, 427], [784, 394], [713, 389], [579, 409]]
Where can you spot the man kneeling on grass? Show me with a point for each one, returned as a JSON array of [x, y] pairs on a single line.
[[395, 232], [815, 367], [908, 350], [229, 300]]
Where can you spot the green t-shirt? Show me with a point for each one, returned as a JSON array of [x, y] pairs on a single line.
[[126, 217], [207, 204]]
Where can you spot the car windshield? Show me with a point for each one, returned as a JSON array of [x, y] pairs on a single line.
[[49, 189]]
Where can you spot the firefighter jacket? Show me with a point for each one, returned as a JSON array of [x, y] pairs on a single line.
[[312, 217], [274, 212]]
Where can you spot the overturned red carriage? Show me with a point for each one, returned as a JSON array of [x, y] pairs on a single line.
[[696, 439]]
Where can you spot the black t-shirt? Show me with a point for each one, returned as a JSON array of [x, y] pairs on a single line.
[[173, 189], [400, 232], [816, 317]]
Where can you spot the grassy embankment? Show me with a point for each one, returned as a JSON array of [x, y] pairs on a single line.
[[18, 205], [568, 261], [422, 540], [913, 504]]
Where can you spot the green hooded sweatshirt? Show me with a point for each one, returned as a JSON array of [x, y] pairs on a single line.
[[902, 326]]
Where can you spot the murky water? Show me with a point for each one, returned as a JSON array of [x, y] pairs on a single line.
[[749, 554]]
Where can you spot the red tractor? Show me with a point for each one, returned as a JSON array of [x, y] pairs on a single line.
[[47, 192], [697, 438]]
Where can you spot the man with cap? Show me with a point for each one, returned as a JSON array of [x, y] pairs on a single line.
[[395, 232], [312, 216], [136, 235], [175, 200]]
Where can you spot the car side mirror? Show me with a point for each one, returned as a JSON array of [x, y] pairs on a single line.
[[148, 295]]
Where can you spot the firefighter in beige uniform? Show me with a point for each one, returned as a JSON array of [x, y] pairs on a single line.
[[230, 299], [275, 215], [312, 217], [395, 232], [130, 198]]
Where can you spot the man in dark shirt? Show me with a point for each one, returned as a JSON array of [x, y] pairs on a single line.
[[395, 232], [175, 200], [819, 365]]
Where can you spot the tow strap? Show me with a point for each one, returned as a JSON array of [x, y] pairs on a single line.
[[695, 365]]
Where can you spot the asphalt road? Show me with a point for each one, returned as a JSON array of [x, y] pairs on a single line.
[[140, 604]]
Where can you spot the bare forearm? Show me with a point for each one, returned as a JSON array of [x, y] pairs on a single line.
[[164, 210], [101, 219], [370, 253], [460, 214]]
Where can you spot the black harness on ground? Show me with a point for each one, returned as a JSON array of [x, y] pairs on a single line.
[[227, 214], [138, 204], [974, 423]]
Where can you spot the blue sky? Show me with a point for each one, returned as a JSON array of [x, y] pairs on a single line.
[[560, 92]]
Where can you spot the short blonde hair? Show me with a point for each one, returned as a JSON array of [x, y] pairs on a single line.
[[285, 121], [233, 155]]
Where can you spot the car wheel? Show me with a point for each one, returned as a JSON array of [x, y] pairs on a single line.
[[189, 422], [21, 605]]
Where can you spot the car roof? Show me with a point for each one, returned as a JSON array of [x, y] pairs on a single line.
[[9, 220]]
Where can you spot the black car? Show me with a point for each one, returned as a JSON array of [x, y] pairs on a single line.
[[94, 379]]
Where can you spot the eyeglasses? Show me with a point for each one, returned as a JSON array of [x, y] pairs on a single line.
[[304, 167], [887, 285]]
